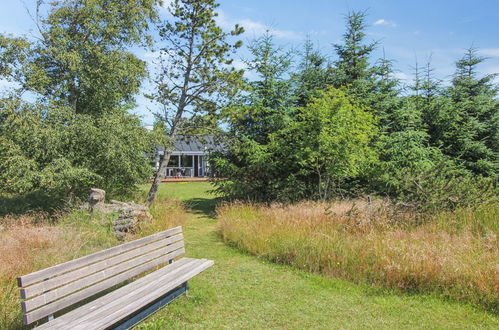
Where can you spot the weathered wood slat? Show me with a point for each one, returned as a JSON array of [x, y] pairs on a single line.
[[103, 321], [110, 310], [81, 312], [144, 313], [95, 277], [41, 275], [57, 305], [140, 288], [79, 273], [129, 307]]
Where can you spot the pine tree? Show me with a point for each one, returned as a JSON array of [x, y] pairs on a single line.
[[312, 76], [264, 110], [196, 76], [385, 99], [470, 133], [352, 67]]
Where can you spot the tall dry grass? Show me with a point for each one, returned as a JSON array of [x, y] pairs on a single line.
[[32, 242], [454, 254]]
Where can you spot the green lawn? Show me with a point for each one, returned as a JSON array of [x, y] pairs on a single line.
[[242, 291]]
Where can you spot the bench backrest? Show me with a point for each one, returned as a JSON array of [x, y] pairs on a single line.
[[51, 289]]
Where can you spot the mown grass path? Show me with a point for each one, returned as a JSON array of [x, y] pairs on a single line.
[[245, 292]]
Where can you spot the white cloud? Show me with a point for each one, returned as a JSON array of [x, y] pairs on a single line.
[[256, 29], [385, 22], [7, 84], [402, 76], [492, 52], [166, 4]]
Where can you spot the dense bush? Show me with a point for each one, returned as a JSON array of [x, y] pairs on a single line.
[[57, 155], [323, 144], [446, 186]]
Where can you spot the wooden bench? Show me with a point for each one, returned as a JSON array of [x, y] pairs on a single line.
[[83, 281]]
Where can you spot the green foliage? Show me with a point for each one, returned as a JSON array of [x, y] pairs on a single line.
[[313, 74], [290, 134], [353, 55], [292, 137], [401, 153], [470, 131], [327, 142], [446, 186], [265, 108], [61, 154], [80, 58], [73, 130], [334, 133]]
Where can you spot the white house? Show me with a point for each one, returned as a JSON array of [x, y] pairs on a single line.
[[190, 156]]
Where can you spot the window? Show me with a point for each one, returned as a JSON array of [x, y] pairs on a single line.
[[173, 161], [187, 161]]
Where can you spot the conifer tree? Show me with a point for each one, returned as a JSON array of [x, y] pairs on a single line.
[[264, 110], [352, 67], [471, 125], [312, 76], [196, 76]]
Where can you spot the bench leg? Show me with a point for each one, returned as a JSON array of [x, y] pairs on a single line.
[[151, 308]]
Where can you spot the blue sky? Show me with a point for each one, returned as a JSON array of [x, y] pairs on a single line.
[[407, 30]]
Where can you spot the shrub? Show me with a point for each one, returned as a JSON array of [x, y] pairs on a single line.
[[446, 186], [59, 155]]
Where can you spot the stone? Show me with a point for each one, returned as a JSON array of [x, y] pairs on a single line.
[[96, 198], [129, 214]]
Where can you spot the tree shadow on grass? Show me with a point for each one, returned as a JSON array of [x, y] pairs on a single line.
[[30, 203], [203, 206]]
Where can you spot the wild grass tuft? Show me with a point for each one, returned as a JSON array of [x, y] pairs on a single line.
[[454, 254]]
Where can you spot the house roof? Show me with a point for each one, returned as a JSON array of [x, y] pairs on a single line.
[[185, 144]]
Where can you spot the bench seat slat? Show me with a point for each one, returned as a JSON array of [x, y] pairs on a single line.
[[131, 306], [84, 282], [111, 308], [76, 274], [42, 274], [92, 290], [85, 310]]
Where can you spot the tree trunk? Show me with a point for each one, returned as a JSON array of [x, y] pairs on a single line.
[[182, 103], [163, 164]]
